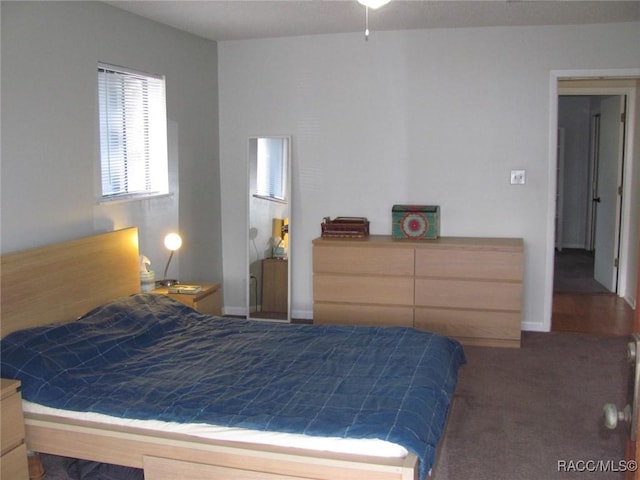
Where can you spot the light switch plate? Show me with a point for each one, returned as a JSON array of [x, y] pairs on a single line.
[[518, 177]]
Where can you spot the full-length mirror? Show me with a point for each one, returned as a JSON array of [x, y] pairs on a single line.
[[268, 231]]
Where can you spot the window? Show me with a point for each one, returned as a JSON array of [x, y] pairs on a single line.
[[133, 133], [272, 168]]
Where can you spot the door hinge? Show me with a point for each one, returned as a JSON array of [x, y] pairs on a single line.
[[620, 190], [623, 117], [616, 262]]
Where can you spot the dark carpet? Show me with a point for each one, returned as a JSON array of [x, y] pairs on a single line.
[[520, 413]]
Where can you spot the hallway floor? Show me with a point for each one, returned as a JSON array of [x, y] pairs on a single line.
[[591, 313], [580, 303]]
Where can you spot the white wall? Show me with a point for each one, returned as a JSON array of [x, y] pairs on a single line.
[[50, 148], [574, 115], [434, 117]]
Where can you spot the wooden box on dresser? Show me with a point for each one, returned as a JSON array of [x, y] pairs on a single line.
[[13, 462], [464, 287]]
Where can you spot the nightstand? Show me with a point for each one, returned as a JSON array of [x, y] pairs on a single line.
[[13, 462], [208, 301], [275, 285]]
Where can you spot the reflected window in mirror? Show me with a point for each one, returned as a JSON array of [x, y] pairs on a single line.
[[271, 181]]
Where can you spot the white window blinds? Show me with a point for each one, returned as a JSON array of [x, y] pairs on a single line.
[[133, 133], [271, 168]]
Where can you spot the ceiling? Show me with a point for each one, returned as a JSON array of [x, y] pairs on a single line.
[[221, 20]]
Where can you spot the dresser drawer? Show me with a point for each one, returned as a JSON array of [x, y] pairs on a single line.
[[12, 422], [469, 323], [13, 464], [369, 315], [363, 261], [469, 264], [471, 294], [363, 290]]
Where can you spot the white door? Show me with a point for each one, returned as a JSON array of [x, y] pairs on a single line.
[[607, 200]]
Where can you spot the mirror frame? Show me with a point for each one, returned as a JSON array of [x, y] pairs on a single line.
[[251, 160]]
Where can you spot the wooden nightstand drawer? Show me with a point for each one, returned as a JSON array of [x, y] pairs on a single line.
[[12, 422], [207, 301], [13, 462], [209, 304]]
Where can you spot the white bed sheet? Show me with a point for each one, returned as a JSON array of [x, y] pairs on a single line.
[[366, 446]]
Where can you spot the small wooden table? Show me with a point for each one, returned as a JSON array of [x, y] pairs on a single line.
[[275, 283], [207, 301]]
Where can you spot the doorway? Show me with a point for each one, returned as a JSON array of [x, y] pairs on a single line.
[[589, 204], [589, 198]]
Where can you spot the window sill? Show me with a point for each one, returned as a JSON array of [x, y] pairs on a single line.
[[131, 198], [270, 199]]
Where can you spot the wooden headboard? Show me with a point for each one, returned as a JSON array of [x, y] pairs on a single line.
[[60, 282]]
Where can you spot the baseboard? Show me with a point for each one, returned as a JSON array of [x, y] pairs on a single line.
[[235, 311], [574, 246], [534, 327], [242, 312], [632, 301], [302, 314]]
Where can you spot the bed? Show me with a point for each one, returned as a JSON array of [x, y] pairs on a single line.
[[299, 381]]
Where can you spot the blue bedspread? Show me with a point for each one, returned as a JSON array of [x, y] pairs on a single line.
[[150, 357]]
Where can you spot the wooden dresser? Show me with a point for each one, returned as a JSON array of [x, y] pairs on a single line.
[[13, 462], [467, 288]]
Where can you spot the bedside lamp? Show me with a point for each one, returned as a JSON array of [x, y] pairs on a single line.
[[280, 230], [173, 242]]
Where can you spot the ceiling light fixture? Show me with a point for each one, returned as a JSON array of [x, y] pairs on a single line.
[[374, 4]]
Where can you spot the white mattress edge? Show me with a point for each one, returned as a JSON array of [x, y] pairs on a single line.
[[366, 446]]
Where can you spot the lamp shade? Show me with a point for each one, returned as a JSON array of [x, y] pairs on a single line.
[[276, 227], [173, 241]]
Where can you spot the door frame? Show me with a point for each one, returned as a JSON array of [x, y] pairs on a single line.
[[633, 447], [632, 75]]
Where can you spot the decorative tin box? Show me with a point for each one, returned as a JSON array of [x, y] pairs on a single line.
[[346, 227], [416, 221]]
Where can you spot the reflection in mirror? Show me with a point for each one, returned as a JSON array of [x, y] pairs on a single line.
[[268, 229]]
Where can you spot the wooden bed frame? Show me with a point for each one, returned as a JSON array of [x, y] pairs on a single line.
[[57, 283]]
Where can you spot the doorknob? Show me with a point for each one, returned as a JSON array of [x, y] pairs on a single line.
[[597, 199], [629, 414], [612, 415]]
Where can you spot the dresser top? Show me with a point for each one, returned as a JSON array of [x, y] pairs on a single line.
[[488, 243], [8, 386]]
